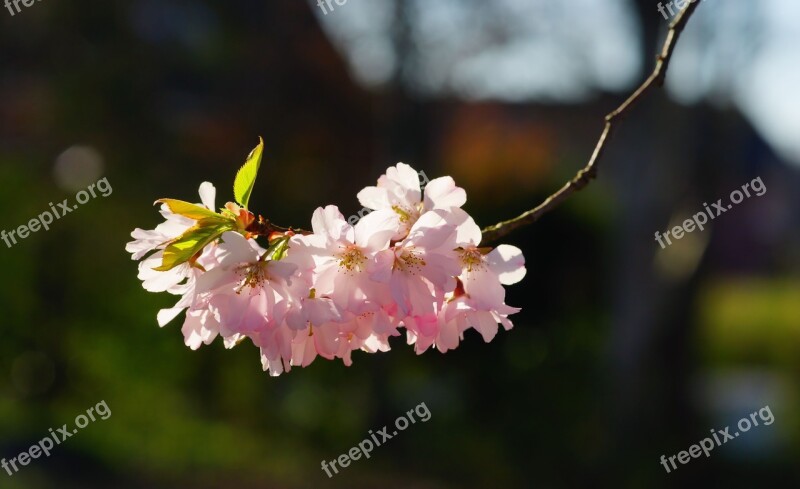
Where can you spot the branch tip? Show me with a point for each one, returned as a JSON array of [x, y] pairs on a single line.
[[493, 233]]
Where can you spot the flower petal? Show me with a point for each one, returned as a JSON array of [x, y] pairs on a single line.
[[374, 198], [442, 193], [508, 263], [403, 183], [236, 249], [375, 230], [330, 222], [208, 194]]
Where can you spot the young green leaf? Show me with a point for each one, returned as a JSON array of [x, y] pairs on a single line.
[[246, 177], [277, 250], [193, 240], [192, 211]]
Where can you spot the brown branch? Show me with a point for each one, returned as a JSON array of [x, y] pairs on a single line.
[[265, 227], [493, 233]]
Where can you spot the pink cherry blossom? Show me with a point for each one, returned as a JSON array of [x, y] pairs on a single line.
[[399, 190], [479, 300], [181, 279], [344, 256], [415, 263], [247, 292], [421, 268]]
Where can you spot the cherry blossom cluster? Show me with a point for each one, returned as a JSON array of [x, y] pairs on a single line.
[[414, 264]]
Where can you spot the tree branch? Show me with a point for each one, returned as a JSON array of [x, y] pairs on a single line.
[[493, 233]]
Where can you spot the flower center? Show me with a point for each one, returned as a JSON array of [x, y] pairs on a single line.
[[470, 258], [410, 261], [253, 275], [408, 215], [352, 259], [405, 214]]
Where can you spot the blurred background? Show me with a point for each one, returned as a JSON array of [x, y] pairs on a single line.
[[623, 352]]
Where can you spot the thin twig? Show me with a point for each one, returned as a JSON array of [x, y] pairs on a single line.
[[493, 233]]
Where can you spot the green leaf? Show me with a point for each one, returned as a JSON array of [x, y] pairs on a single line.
[[192, 211], [192, 241], [277, 250], [246, 177]]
